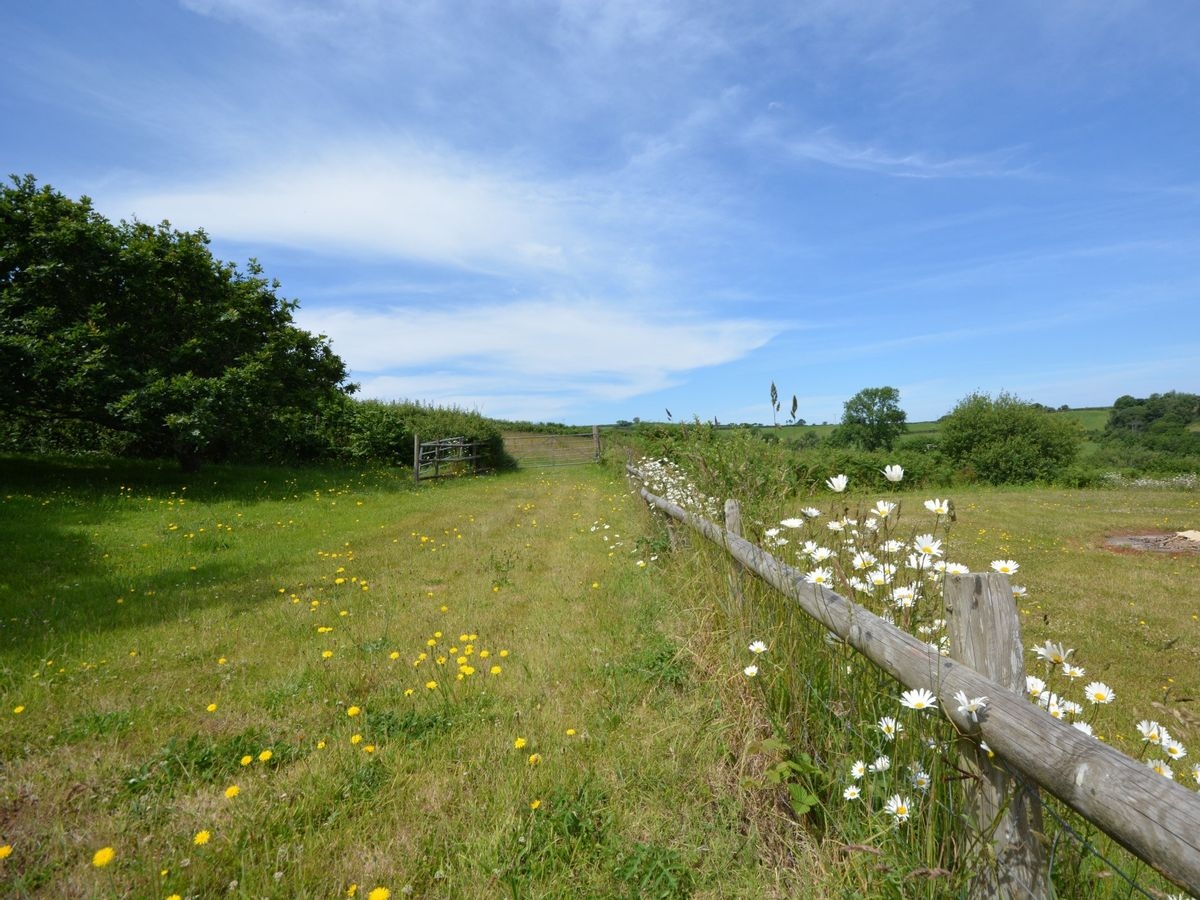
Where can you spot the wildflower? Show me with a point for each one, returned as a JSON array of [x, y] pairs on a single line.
[[1161, 767], [356, 738], [927, 546], [858, 770], [326, 654], [1073, 672], [852, 792], [881, 764], [883, 509], [570, 732], [518, 743], [246, 760], [353, 711], [920, 780], [265, 756], [893, 473], [918, 698], [1034, 686], [863, 560], [758, 647], [103, 857], [938, 507], [395, 654], [750, 671], [1084, 727], [904, 596], [1099, 692], [1174, 749], [1151, 732], [379, 893], [202, 838], [983, 745], [1018, 591], [494, 670], [792, 523], [811, 512], [837, 483], [212, 707], [535, 759], [1005, 566], [890, 727], [1196, 773], [534, 804], [899, 807], [1052, 653], [5, 851], [232, 791], [957, 569], [971, 707], [17, 710], [819, 576], [431, 685]]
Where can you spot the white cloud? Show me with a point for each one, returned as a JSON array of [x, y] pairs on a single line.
[[532, 353]]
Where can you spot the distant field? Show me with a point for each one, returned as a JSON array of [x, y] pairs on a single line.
[[1091, 418]]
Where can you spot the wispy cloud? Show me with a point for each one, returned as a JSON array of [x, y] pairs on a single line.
[[531, 349]]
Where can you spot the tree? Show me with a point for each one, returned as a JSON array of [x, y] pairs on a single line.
[[139, 329], [872, 419], [1007, 440]]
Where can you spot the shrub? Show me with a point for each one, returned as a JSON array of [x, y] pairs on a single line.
[[1007, 440]]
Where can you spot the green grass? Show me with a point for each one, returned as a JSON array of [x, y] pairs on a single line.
[[166, 639]]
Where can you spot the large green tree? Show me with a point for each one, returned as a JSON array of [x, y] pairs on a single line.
[[140, 330], [872, 419], [1006, 440]]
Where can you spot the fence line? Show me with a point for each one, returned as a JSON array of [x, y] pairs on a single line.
[[1151, 816]]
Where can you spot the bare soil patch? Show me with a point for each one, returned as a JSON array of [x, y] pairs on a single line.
[[1155, 542]]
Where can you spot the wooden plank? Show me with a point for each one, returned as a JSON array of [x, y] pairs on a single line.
[[1154, 818], [1004, 811]]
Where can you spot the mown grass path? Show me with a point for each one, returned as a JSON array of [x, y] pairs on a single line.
[[320, 685]]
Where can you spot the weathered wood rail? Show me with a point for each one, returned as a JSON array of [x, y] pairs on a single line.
[[1151, 816], [536, 450], [443, 457]]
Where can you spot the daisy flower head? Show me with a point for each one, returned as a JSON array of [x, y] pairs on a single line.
[[819, 575], [957, 569], [837, 483], [920, 780], [758, 647], [792, 523], [883, 508], [890, 727], [1005, 566], [970, 707], [750, 671], [881, 764], [1150, 731], [1161, 766], [858, 770], [811, 512], [1174, 749], [1034, 686], [927, 546], [918, 698], [898, 808], [852, 792], [938, 507], [1099, 692], [893, 473], [1196, 774], [1073, 672], [1084, 727], [1052, 652]]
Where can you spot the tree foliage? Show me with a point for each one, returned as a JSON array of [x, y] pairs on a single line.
[[871, 420], [1163, 422], [1007, 440], [139, 330]]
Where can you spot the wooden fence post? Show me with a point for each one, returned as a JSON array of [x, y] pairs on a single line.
[[1004, 810], [733, 525], [416, 459], [596, 442]]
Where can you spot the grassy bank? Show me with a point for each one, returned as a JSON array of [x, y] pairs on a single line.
[[316, 683]]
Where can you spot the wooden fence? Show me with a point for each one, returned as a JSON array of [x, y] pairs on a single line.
[[443, 457], [534, 450], [1151, 816]]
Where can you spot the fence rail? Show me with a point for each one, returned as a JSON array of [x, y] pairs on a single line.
[[1151, 816], [534, 450], [444, 457]]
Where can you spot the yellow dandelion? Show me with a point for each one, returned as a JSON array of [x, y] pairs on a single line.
[[175, 897], [353, 711], [352, 890], [5, 851], [246, 760], [212, 707], [519, 743], [17, 710], [326, 654], [370, 748], [232, 791], [320, 745], [534, 804], [103, 857], [202, 838], [431, 685], [535, 759], [356, 739], [379, 893], [408, 692], [485, 653], [570, 732], [221, 661], [265, 756], [395, 654], [503, 653], [495, 670]]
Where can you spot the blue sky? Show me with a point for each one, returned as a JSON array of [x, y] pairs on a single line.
[[591, 210]]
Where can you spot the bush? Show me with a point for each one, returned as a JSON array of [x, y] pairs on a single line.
[[1007, 440]]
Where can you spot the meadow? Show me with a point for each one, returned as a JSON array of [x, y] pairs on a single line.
[[320, 683]]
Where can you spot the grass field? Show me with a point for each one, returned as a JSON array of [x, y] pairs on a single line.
[[1089, 418], [294, 684], [307, 685]]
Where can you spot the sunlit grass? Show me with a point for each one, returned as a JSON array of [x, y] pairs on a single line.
[[311, 683]]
